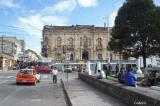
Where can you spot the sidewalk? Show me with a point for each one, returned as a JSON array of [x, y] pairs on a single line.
[[81, 94]]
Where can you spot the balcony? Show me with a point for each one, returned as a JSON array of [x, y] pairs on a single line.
[[70, 47], [99, 48]]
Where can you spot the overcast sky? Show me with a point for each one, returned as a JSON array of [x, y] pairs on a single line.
[[26, 18]]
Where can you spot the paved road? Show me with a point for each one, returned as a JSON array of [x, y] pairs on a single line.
[[43, 94], [46, 93]]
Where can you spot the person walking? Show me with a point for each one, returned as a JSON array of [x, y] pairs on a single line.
[[54, 72]]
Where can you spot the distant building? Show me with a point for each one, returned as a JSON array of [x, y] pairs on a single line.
[[10, 48], [151, 61], [80, 42], [30, 56]]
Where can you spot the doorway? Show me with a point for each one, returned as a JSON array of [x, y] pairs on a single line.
[[85, 55]]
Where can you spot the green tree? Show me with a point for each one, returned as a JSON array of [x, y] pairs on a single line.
[[137, 29]]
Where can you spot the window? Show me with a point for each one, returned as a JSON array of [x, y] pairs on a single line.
[[85, 42], [46, 40], [59, 42], [100, 56], [99, 44], [70, 42]]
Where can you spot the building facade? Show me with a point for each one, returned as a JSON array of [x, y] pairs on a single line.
[[31, 55], [10, 47], [80, 42]]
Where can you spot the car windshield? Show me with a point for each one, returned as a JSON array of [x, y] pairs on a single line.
[[26, 71]]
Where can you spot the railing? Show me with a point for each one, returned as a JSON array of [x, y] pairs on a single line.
[[124, 61], [102, 61]]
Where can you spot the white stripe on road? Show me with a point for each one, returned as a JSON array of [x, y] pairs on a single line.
[[36, 100], [10, 77], [45, 76]]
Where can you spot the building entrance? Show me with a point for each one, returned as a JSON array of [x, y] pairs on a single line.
[[85, 55]]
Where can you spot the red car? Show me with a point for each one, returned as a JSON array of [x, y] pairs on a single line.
[[43, 69], [27, 76]]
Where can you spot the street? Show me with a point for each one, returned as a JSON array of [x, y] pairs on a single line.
[[44, 93]]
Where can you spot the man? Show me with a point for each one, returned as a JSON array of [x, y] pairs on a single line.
[[129, 77], [117, 69], [54, 72], [121, 76], [99, 74]]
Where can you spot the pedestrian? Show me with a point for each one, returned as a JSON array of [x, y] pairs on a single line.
[[129, 77], [121, 76], [54, 72], [117, 69], [99, 74]]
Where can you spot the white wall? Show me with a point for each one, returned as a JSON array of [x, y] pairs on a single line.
[[153, 60]]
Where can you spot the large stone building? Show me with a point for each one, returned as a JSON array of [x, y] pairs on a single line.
[[80, 42]]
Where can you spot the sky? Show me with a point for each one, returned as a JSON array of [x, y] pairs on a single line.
[[25, 18]]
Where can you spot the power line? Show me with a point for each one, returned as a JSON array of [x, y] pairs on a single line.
[[16, 34], [21, 28]]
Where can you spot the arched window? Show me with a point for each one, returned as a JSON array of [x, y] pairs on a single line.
[[99, 43], [80, 41], [46, 40], [85, 42], [70, 42], [90, 41], [100, 57], [59, 42]]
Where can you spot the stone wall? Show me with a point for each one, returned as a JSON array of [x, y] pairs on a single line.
[[130, 95]]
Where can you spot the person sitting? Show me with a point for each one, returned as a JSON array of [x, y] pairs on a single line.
[[99, 74], [121, 76], [130, 78], [151, 78]]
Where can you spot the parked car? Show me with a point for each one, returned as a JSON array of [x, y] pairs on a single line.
[[43, 69], [27, 76]]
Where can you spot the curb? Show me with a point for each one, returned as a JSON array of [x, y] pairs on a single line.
[[68, 100]]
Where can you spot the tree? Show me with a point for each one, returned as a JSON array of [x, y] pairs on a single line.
[[137, 29]]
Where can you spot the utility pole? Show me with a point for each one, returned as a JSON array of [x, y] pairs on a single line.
[[2, 44], [2, 52]]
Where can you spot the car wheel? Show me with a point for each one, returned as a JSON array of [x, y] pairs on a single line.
[[17, 83]]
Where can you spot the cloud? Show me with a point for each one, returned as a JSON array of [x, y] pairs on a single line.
[[112, 18], [62, 6], [33, 24], [114, 13], [88, 3], [67, 5], [8, 4], [54, 20]]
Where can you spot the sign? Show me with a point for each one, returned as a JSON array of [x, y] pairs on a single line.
[[62, 58]]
